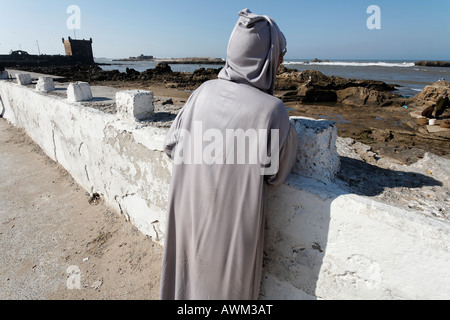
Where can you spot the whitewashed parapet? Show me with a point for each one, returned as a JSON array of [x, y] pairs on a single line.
[[45, 84], [134, 105], [23, 79], [317, 155], [79, 91]]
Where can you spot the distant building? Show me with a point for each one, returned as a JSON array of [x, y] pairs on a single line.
[[80, 50], [139, 58], [142, 57]]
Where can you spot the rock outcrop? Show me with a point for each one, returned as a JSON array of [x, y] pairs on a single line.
[[426, 63], [361, 96], [314, 86], [430, 94]]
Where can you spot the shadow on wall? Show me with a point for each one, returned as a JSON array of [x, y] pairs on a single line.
[[100, 99], [298, 222], [161, 119], [3, 107], [368, 180]]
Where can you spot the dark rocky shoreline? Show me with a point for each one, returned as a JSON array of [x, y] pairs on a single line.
[[427, 63], [311, 86], [162, 73], [212, 61], [292, 85], [367, 111]]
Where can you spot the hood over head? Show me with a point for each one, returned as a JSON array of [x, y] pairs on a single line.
[[254, 49]]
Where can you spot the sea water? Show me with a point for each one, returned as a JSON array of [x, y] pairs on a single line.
[[408, 78]]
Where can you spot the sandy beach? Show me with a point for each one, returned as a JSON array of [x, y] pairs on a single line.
[[69, 228]]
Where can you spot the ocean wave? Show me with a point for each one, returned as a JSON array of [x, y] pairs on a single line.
[[353, 64]]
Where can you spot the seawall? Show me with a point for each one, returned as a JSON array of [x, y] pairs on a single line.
[[321, 241]]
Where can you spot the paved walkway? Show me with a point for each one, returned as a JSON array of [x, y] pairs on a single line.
[[55, 244]]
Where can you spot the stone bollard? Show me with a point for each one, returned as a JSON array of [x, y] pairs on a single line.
[[23, 79], [45, 84], [317, 155], [135, 105], [79, 91]]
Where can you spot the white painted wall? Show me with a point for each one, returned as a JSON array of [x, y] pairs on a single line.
[[333, 245], [321, 243], [126, 166]]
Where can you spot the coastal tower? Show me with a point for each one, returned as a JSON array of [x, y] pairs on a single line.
[[79, 50]]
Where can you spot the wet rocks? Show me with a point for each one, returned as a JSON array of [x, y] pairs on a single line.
[[316, 60], [430, 94], [314, 86], [132, 72], [314, 94], [162, 68], [426, 63], [162, 73], [362, 96]]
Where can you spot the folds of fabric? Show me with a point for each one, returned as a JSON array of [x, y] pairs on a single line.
[[254, 48], [213, 246]]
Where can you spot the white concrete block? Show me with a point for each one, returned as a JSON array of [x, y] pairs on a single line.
[[45, 84], [4, 74], [79, 91], [317, 153], [23, 79], [135, 105]]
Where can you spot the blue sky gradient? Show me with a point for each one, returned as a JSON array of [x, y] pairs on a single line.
[[410, 30]]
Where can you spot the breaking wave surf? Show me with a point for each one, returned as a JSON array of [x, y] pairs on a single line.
[[353, 64]]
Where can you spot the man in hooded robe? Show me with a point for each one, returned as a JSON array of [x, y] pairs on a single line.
[[214, 236]]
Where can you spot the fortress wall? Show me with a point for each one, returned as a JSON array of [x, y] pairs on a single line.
[[321, 242]]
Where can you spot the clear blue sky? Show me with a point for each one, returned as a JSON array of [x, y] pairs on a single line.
[[327, 29]]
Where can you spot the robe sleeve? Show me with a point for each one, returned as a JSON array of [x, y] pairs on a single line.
[[287, 158], [172, 136]]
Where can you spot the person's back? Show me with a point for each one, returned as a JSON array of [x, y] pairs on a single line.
[[226, 143], [219, 103]]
